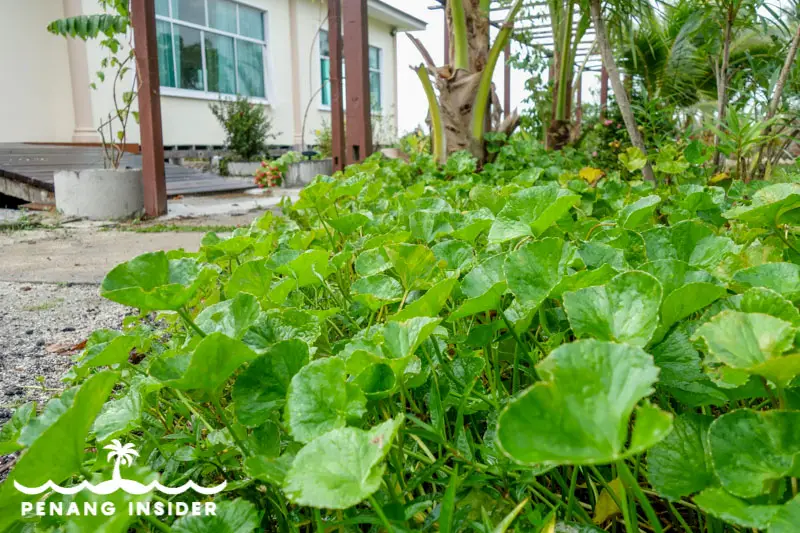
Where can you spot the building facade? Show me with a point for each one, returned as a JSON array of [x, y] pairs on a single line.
[[272, 51]]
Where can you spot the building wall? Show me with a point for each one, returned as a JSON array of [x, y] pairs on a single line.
[[312, 16], [35, 84], [45, 94]]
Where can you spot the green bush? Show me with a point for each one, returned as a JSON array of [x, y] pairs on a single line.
[[413, 348], [246, 126]]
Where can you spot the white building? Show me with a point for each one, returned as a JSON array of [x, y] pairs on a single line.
[[268, 50]]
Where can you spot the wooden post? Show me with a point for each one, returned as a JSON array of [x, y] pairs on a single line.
[[337, 110], [603, 92], [359, 128], [507, 80], [143, 17]]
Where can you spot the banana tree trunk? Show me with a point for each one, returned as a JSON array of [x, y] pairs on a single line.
[[722, 80], [616, 84], [464, 87]]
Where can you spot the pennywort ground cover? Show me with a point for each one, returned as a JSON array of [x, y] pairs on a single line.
[[525, 348]]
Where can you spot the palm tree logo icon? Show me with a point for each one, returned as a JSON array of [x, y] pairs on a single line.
[[124, 455]]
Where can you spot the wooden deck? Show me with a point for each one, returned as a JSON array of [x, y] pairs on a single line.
[[34, 165]]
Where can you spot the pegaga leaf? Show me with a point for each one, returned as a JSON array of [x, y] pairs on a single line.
[[633, 159], [785, 520], [483, 286], [414, 264], [231, 516], [751, 450], [579, 413], [151, 282], [231, 317], [635, 215], [261, 388], [373, 261], [771, 206], [723, 505], [252, 277], [687, 289], [427, 226], [533, 270], [768, 302], [783, 278], [319, 399], [10, 432], [690, 241], [751, 342], [213, 361], [680, 465], [58, 452], [429, 304], [531, 211], [308, 269], [623, 310], [457, 256], [277, 325], [342, 467], [377, 291]]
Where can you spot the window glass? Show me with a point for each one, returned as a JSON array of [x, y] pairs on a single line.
[[250, 68], [189, 52], [375, 90], [324, 51], [222, 15], [220, 64], [193, 11], [166, 61], [325, 77], [374, 58], [251, 22], [162, 8]]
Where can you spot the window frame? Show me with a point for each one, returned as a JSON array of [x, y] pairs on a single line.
[[205, 94], [327, 107]]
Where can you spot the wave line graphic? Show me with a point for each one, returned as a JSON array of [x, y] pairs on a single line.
[[126, 485]]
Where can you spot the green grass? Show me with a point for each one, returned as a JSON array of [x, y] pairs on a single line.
[[175, 228], [44, 306]]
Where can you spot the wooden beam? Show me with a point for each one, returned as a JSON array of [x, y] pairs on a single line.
[[143, 17], [359, 128], [337, 109]]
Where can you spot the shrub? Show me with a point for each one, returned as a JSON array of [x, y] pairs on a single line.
[[247, 128]]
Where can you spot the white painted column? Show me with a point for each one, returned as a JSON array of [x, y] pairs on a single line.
[[85, 129]]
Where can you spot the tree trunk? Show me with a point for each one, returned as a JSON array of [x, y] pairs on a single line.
[[784, 75], [775, 102], [722, 80], [616, 84]]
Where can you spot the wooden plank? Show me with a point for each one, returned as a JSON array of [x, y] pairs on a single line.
[[34, 165]]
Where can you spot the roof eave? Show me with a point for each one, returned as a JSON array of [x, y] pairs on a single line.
[[396, 18]]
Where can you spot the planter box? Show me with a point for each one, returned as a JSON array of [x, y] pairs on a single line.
[[100, 194], [302, 173], [243, 168]]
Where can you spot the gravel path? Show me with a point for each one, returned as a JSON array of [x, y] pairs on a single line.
[[38, 324]]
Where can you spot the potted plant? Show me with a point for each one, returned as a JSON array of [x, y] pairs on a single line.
[[111, 192]]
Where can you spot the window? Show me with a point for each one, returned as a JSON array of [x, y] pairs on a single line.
[[375, 66], [212, 46], [375, 61]]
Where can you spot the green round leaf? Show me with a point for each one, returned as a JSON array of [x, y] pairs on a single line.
[[341, 468], [752, 449], [623, 310], [320, 400], [580, 412]]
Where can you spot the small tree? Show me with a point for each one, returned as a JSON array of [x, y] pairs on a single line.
[[246, 126], [112, 28]]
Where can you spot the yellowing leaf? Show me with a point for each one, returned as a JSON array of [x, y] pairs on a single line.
[[606, 507], [591, 174], [720, 176]]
